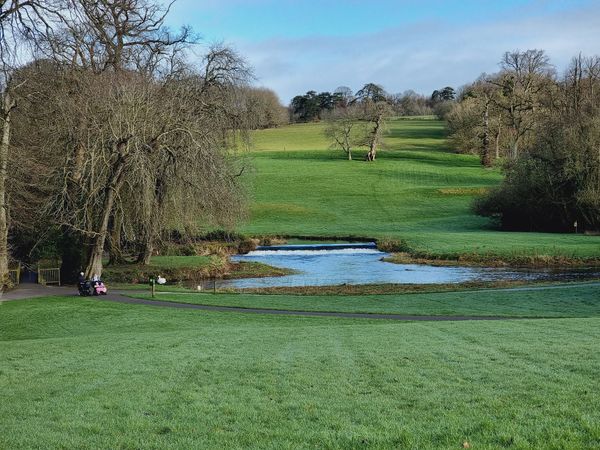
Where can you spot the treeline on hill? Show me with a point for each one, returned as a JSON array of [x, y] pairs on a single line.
[[359, 119], [111, 137], [314, 106], [544, 130]]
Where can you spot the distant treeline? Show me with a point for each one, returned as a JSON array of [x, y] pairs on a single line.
[[314, 106]]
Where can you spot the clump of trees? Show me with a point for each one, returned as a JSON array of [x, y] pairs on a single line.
[[359, 121], [127, 140], [409, 103], [312, 106], [544, 130], [496, 115]]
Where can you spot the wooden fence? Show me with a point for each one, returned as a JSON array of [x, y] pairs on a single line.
[[15, 276], [49, 276]]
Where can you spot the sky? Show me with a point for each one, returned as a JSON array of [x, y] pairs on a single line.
[[299, 45]]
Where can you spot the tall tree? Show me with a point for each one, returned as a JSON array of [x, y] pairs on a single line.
[[371, 92], [524, 84], [443, 95], [376, 113], [343, 96], [123, 56]]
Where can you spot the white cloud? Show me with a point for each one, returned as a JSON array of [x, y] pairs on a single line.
[[422, 57]]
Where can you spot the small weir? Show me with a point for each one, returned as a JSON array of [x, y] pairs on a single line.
[[362, 263], [315, 247]]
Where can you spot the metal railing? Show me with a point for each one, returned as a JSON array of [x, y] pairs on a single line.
[[49, 276]]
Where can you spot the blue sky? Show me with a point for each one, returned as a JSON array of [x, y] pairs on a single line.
[[295, 46]]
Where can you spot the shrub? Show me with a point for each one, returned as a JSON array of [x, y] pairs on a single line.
[[393, 246], [222, 235], [247, 245], [173, 249]]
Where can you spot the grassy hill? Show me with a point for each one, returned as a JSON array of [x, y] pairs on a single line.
[[417, 190]]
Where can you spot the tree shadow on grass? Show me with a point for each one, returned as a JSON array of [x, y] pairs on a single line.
[[416, 133]]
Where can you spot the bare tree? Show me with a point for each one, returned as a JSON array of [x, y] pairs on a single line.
[[343, 96], [22, 23], [524, 82], [193, 171], [99, 35], [341, 129], [376, 113], [486, 95], [95, 38]]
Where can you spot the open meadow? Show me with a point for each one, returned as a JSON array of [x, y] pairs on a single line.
[[299, 225], [417, 190], [79, 373]]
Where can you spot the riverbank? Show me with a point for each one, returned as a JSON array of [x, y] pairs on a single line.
[[180, 269], [393, 289], [533, 261]]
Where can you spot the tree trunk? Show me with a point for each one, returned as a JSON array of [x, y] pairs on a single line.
[[94, 265], [146, 252], [73, 248], [372, 149], [347, 142], [498, 143], [486, 159], [152, 229], [115, 252], [514, 146], [372, 154], [7, 107]]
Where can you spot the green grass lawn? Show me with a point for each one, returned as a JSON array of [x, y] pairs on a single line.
[[78, 373], [177, 262], [550, 301], [417, 190], [171, 267]]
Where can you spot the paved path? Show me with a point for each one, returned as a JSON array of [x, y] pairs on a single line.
[[139, 301], [33, 290], [26, 291]]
